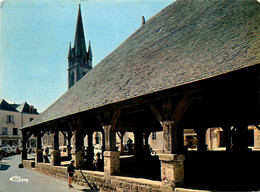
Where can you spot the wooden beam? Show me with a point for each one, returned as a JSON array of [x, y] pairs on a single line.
[[101, 120], [70, 126], [156, 112], [180, 109], [53, 127], [28, 135], [108, 124], [119, 135], [115, 118], [109, 121], [79, 123], [64, 135]]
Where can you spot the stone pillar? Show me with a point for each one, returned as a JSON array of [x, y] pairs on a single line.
[[110, 138], [39, 151], [122, 141], [24, 151], [39, 155], [90, 149], [146, 143], [78, 157], [77, 152], [241, 138], [201, 133], [55, 155], [111, 156], [112, 163], [227, 131], [138, 135], [172, 138], [103, 144], [172, 171]]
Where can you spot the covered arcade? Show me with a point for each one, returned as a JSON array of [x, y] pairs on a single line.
[[194, 65]]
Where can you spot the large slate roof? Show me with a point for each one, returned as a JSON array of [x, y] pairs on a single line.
[[189, 40]]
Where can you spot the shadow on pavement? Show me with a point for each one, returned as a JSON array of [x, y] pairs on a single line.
[[4, 167], [89, 190]]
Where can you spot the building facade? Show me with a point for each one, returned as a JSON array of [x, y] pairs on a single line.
[[12, 118]]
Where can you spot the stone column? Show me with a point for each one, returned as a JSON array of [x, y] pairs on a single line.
[[69, 145], [172, 171], [24, 151], [122, 134], [241, 138], [146, 144], [227, 131], [90, 150], [111, 156], [77, 152], [55, 155], [201, 133], [138, 135], [172, 138], [39, 151], [112, 163]]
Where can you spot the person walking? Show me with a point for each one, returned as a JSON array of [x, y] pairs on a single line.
[[71, 171]]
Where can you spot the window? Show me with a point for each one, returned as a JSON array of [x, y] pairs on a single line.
[[9, 119], [153, 135], [31, 119], [4, 131], [15, 131]]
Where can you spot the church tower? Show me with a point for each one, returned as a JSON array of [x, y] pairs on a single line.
[[79, 59]]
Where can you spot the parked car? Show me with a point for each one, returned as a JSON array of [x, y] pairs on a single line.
[[6, 152], [12, 150], [3, 152]]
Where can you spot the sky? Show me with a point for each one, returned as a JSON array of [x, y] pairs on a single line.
[[35, 36]]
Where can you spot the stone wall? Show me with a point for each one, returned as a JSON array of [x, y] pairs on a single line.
[[96, 179], [28, 164]]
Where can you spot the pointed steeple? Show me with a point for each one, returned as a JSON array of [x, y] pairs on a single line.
[[69, 54], [89, 51], [79, 42], [79, 60], [90, 56]]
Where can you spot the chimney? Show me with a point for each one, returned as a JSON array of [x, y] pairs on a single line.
[[143, 20]]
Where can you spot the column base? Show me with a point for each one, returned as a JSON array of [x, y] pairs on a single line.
[[55, 157], [39, 155], [78, 157], [172, 171], [24, 154], [69, 152], [111, 163]]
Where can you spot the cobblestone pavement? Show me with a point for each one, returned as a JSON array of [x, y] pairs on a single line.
[[13, 179]]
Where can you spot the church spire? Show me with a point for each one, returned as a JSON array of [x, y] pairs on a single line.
[[90, 56], [89, 51], [69, 54], [79, 42], [79, 60]]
